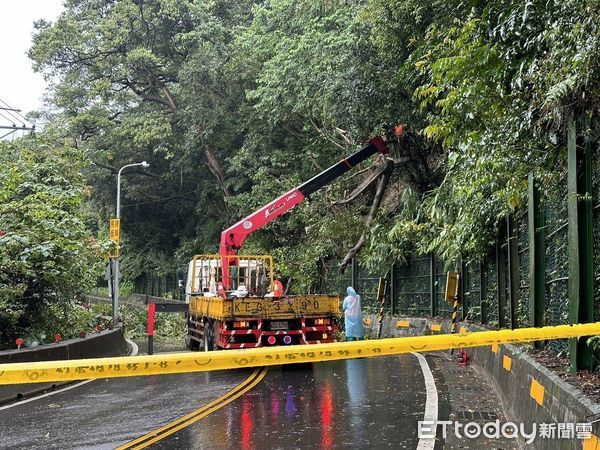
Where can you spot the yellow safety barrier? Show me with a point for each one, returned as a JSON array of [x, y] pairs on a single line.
[[132, 366]]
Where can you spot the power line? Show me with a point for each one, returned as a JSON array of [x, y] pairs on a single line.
[[162, 199], [11, 108], [13, 116], [10, 120]]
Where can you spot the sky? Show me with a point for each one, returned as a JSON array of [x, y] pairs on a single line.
[[19, 85]]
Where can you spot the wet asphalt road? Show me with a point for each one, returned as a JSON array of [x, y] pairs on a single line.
[[106, 413], [363, 403]]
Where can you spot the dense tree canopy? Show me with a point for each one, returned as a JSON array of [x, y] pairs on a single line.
[[234, 102], [48, 256]]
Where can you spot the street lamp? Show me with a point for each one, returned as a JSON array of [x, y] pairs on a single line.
[[145, 165]]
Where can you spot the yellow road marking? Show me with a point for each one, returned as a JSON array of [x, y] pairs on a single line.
[[507, 363], [162, 364], [435, 327], [193, 417], [403, 324], [495, 348]]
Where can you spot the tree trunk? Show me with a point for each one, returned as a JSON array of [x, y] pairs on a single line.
[[216, 169]]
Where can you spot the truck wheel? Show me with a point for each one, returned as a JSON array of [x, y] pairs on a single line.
[[191, 344], [209, 338]]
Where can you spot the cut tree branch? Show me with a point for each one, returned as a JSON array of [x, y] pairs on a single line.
[[215, 168], [361, 188], [382, 184], [369, 180]]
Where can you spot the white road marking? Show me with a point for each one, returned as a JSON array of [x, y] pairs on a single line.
[[47, 394], [431, 402], [134, 351], [134, 347]]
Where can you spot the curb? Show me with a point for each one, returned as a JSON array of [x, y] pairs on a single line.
[[105, 343], [532, 393]]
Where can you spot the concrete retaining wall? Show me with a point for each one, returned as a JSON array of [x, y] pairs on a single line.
[[512, 372], [105, 343]]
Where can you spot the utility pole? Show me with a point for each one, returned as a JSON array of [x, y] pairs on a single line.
[[115, 235], [14, 120]]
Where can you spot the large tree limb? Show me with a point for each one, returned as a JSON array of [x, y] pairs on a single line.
[[150, 98], [369, 180], [362, 187], [382, 184], [216, 169]]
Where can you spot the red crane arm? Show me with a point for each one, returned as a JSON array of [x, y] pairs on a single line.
[[233, 237]]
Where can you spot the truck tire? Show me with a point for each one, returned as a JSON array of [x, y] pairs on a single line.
[[209, 336]]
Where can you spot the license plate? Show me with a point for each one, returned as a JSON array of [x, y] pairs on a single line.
[[279, 325]]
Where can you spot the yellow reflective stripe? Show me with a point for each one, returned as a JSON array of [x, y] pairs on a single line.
[[591, 443], [537, 392], [171, 428], [132, 366]]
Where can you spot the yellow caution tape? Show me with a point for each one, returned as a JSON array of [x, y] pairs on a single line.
[[133, 366]]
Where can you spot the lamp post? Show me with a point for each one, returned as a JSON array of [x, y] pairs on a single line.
[[144, 164]]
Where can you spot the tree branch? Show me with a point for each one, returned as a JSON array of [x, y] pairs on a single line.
[[381, 187], [362, 187], [214, 165]]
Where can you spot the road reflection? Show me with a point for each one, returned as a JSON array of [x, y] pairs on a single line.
[[247, 424], [344, 404], [326, 414]]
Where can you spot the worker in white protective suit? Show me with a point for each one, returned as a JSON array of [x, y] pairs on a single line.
[[353, 316]]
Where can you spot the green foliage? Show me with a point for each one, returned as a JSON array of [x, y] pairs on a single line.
[[497, 84], [47, 256], [233, 103], [166, 325]]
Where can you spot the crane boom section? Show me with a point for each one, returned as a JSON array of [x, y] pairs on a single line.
[[233, 237]]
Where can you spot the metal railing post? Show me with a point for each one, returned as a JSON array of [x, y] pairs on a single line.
[[537, 254], [432, 280], [513, 270], [581, 252]]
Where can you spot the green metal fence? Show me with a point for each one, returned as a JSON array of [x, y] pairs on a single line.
[[166, 285], [543, 270]]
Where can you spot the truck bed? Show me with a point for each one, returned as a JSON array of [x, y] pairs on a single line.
[[264, 307]]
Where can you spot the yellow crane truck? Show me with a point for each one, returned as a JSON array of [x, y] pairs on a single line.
[[247, 317]]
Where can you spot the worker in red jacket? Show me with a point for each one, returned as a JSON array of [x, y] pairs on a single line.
[[277, 291], [277, 288]]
